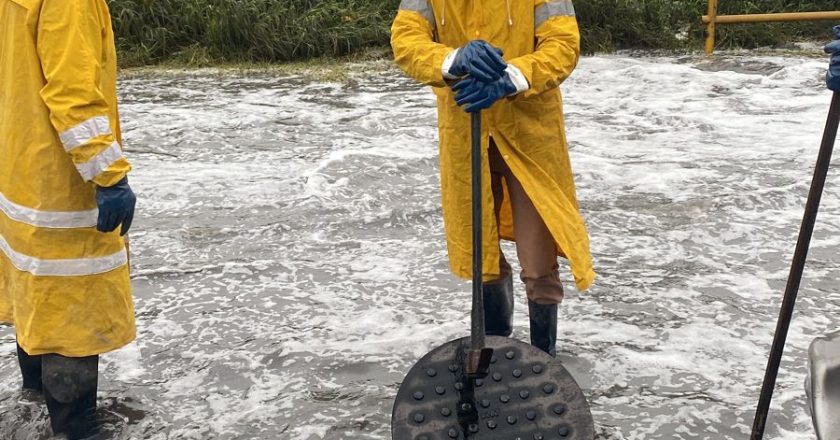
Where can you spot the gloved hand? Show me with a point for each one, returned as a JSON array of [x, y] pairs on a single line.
[[832, 78], [480, 60], [116, 206], [478, 95]]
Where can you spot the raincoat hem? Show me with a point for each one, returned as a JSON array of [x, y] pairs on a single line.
[[81, 353]]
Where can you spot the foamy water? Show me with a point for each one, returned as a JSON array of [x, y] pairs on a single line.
[[290, 264]]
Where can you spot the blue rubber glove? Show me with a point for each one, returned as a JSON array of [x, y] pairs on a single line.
[[478, 95], [116, 207], [832, 78], [480, 60]]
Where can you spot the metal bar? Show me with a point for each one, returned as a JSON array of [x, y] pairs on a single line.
[[768, 18], [812, 207], [710, 28], [477, 328]]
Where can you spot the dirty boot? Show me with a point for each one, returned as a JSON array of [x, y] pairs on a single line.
[[70, 391], [30, 368], [498, 307], [543, 326]]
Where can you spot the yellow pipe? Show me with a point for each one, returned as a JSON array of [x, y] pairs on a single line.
[[766, 18], [710, 29]]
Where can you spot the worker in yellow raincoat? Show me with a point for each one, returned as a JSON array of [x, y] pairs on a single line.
[[508, 58], [64, 281]]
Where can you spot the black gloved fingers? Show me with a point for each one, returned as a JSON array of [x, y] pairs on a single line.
[[469, 92], [493, 58], [109, 218], [468, 97], [126, 223], [101, 220], [482, 71], [468, 85], [480, 105]]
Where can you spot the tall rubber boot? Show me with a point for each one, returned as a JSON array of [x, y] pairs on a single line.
[[543, 326], [498, 307], [30, 368], [70, 391]]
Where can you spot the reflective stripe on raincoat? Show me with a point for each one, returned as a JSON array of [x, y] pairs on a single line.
[[63, 285], [542, 40]]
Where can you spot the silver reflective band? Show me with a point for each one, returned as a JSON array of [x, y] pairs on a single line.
[[421, 6], [85, 132], [100, 162], [48, 219], [562, 8], [63, 268]]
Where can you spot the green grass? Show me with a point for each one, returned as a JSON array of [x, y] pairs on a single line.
[[212, 32]]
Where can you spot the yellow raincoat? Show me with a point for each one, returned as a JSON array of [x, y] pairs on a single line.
[[542, 40], [63, 285]]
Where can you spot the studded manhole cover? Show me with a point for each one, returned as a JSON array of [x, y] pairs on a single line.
[[526, 395]]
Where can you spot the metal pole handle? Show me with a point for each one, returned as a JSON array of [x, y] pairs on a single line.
[[479, 356], [797, 267], [477, 329]]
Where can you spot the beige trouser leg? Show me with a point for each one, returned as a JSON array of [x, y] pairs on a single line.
[[535, 246]]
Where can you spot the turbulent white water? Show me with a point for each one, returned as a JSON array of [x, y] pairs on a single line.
[[290, 265]]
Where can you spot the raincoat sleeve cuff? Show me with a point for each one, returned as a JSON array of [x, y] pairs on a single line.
[[518, 79], [113, 174], [447, 65]]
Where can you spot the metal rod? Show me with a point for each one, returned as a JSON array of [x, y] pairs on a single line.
[[477, 328], [710, 29], [768, 18], [800, 256]]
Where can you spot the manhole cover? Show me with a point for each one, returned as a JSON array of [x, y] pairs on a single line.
[[526, 395]]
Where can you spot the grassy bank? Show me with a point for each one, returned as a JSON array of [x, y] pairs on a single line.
[[206, 32]]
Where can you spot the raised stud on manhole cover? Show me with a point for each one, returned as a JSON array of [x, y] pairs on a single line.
[[538, 436], [510, 355], [459, 386], [466, 406], [504, 398], [431, 372], [440, 390], [453, 433], [419, 418], [419, 395], [537, 369], [559, 409], [512, 420], [446, 412], [517, 373], [492, 424], [453, 368], [524, 394], [485, 403], [531, 415], [548, 388], [473, 428], [497, 377], [564, 431], [479, 382]]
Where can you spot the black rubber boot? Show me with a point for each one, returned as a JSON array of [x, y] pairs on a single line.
[[70, 391], [543, 326], [498, 307], [30, 368]]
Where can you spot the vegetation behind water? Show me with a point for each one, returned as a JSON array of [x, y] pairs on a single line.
[[202, 32]]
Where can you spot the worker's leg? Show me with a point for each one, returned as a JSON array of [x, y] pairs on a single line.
[[537, 252], [70, 390]]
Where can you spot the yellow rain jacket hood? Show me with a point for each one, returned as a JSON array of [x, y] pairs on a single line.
[[63, 285], [542, 40]]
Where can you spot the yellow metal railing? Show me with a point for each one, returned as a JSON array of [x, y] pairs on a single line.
[[712, 20]]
